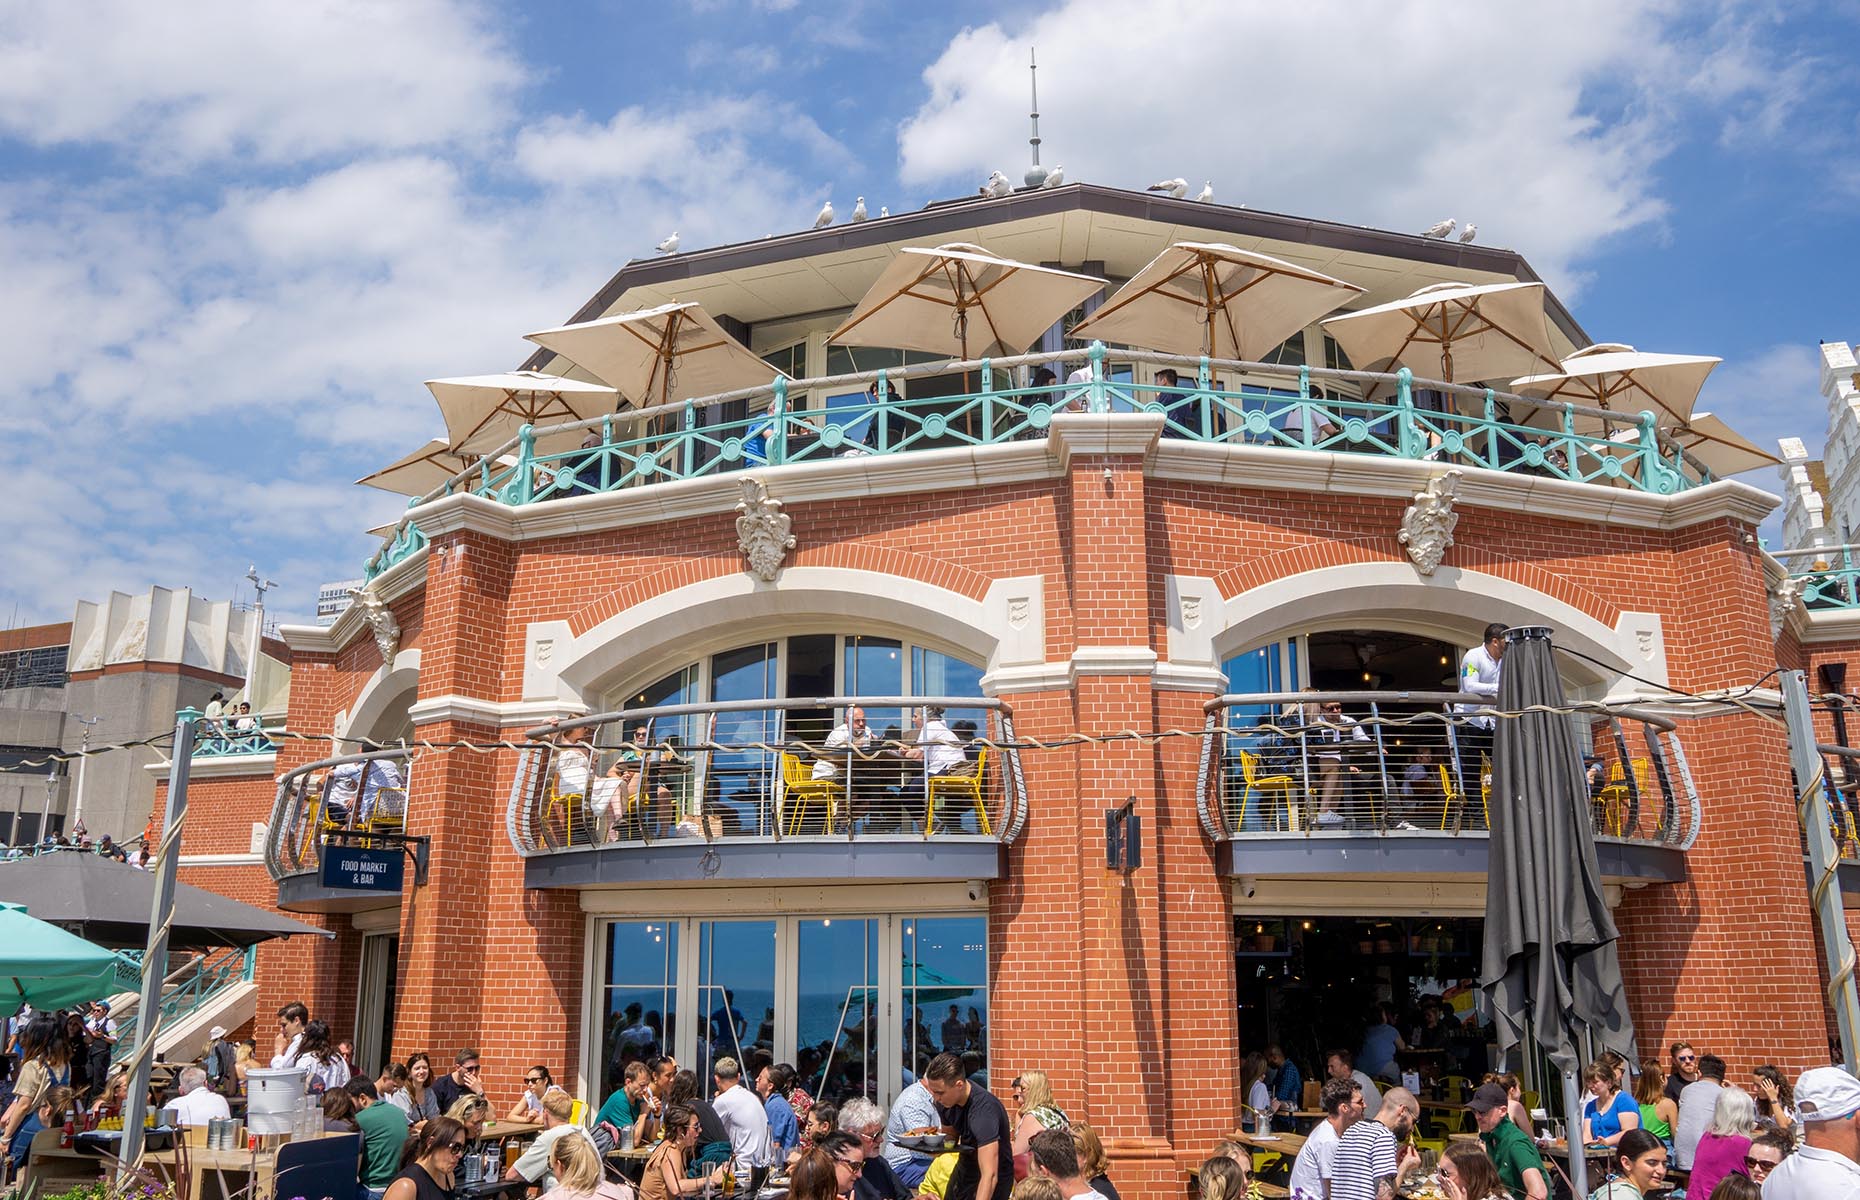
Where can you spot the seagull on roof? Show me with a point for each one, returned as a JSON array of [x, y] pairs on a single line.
[[1440, 230], [859, 210], [1177, 187], [1206, 195], [825, 218], [998, 185], [1056, 178], [883, 211], [670, 244], [1469, 233]]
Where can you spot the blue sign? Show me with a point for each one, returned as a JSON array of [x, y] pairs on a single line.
[[351, 868]]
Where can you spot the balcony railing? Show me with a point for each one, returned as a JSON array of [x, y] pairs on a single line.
[[202, 979], [230, 736], [754, 770], [1312, 764], [1222, 401], [357, 793]]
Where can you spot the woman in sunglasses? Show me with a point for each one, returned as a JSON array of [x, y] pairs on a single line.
[[1766, 1154], [429, 1163]]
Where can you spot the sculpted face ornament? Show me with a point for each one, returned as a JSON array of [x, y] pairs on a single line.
[[1427, 526], [763, 531], [380, 620], [1785, 594]]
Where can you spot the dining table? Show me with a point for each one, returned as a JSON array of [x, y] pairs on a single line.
[[1288, 1144]]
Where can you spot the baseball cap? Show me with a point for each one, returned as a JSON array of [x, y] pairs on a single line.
[[1827, 1094], [217, 1032], [1487, 1097]]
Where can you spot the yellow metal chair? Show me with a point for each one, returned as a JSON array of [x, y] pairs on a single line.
[[389, 811], [1283, 785], [961, 783], [1616, 799], [800, 788], [1455, 800], [573, 806], [310, 830]]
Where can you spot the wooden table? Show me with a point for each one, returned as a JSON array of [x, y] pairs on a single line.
[[1288, 1144], [499, 1130]]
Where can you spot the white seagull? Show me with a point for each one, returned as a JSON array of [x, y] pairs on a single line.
[[826, 216], [883, 211], [859, 210], [670, 244], [1177, 187], [998, 185], [1056, 178], [1469, 233], [1441, 230], [1206, 195]]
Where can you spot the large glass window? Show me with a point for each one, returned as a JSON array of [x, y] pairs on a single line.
[[945, 992], [640, 996], [739, 779], [836, 1009], [875, 667], [736, 996]]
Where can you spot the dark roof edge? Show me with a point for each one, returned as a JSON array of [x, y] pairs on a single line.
[[928, 223]]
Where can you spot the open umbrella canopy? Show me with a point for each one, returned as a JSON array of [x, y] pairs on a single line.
[[420, 471], [1721, 448], [109, 902], [963, 301], [1452, 331], [1549, 963], [1620, 378], [483, 412], [48, 968], [659, 355], [1218, 300]]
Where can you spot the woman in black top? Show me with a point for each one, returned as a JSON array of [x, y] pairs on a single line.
[[683, 1090], [429, 1162]]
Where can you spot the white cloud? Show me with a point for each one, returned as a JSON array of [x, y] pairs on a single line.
[[1771, 393], [276, 80], [1543, 125]]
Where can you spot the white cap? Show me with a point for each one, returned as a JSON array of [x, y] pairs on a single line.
[[1827, 1094], [217, 1032]]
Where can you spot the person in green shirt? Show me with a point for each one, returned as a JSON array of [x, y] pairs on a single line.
[[623, 1109], [1519, 1163], [384, 1132]]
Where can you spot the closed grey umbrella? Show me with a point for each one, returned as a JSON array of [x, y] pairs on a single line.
[[1549, 964]]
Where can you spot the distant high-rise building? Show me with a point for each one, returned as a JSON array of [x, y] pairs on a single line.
[[332, 600]]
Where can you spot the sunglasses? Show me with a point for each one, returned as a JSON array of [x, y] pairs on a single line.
[[1760, 1164], [532, 1079], [456, 1147], [1687, 1058]]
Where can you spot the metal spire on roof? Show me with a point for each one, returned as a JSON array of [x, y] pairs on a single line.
[[1036, 174]]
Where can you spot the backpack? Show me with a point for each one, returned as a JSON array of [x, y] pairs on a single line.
[[219, 1066]]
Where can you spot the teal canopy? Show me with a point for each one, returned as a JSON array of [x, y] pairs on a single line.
[[48, 968]]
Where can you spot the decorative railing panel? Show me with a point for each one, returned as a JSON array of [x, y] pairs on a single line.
[[356, 793]]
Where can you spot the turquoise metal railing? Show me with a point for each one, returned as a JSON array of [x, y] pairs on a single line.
[[1833, 586], [1293, 408], [228, 740], [185, 992]]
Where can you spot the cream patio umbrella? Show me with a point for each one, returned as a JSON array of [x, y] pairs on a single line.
[[420, 471], [1720, 449], [1620, 378], [484, 411], [659, 355], [1218, 300], [1456, 332], [963, 301]]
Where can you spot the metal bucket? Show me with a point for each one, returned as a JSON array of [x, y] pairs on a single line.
[[273, 1100]]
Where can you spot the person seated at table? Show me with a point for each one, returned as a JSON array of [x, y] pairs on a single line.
[[1033, 1100], [576, 1163], [114, 1093], [772, 1084], [1222, 1178], [383, 775], [1324, 740], [938, 749], [383, 1127], [714, 1146], [197, 1103], [471, 1112], [1037, 1187], [430, 1162], [1255, 1093], [627, 1107], [820, 1122], [1609, 1112], [54, 1103], [1381, 1042], [664, 1176], [850, 734], [341, 788], [537, 1083], [1420, 785], [558, 1111], [338, 1111]]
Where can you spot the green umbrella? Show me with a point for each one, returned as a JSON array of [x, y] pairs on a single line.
[[48, 968]]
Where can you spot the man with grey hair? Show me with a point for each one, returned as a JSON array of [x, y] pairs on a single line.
[[746, 1123], [877, 1181], [197, 1103]]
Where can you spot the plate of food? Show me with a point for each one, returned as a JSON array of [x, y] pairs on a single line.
[[927, 1139]]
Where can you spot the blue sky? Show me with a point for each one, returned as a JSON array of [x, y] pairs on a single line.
[[236, 240]]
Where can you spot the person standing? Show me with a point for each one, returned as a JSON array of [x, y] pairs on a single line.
[[1342, 1102], [977, 1119], [745, 1122], [1373, 1157], [772, 1084], [221, 1061], [102, 1032], [1479, 673], [285, 1047], [1288, 1087], [1827, 1166]]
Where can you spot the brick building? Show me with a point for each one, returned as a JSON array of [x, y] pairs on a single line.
[[1095, 572]]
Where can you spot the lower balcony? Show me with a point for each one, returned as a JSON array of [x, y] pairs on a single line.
[[1397, 784], [334, 840], [771, 791]]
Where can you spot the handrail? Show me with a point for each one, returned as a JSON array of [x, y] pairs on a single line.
[[1026, 411], [691, 783], [293, 843], [1349, 761], [191, 985]]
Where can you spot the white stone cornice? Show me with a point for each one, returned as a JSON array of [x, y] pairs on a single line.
[[1112, 660], [222, 860], [402, 579], [1181, 677], [1816, 626], [1042, 677], [1103, 433], [491, 712], [223, 766]]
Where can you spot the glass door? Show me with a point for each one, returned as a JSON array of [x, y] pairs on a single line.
[[836, 1008], [944, 991], [736, 996], [640, 1000], [740, 784]]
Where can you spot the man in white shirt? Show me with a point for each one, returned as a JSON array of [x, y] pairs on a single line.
[[197, 1104], [558, 1107], [291, 1021], [1342, 1102], [383, 775], [850, 734], [1827, 1166], [1056, 1156], [1341, 1064], [1479, 672], [745, 1120]]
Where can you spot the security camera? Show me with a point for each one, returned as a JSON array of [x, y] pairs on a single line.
[[976, 889], [1249, 886]]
